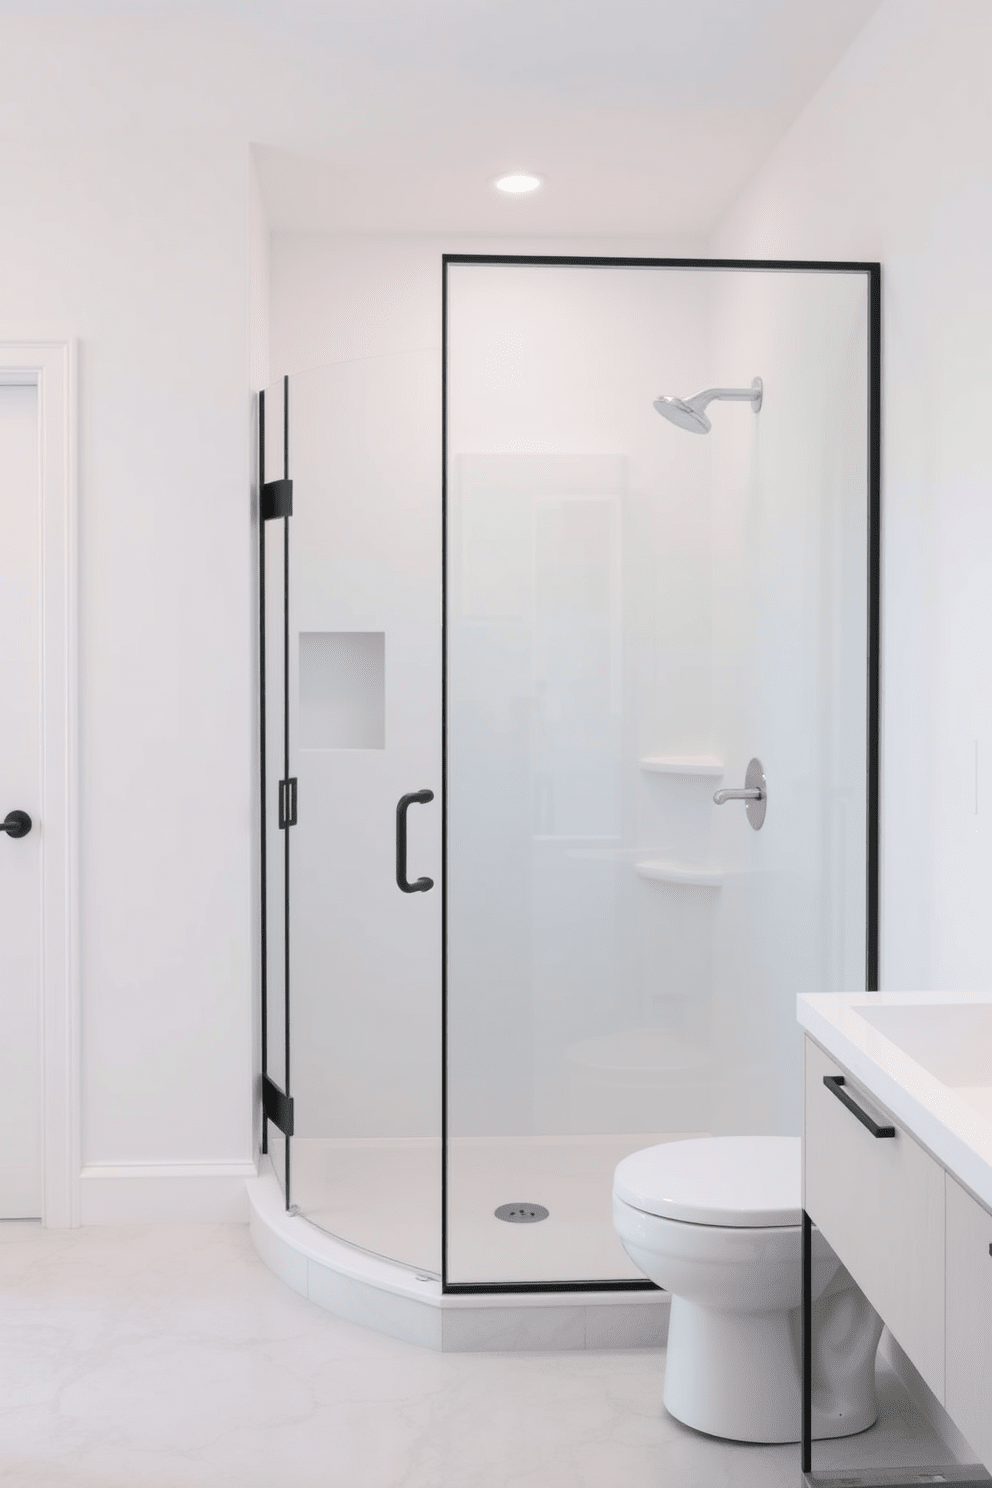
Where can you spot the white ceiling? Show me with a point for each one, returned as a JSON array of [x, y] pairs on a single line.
[[644, 116]]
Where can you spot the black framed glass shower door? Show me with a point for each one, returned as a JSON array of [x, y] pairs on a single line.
[[354, 644]]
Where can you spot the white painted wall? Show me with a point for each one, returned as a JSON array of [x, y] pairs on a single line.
[[259, 273], [258, 376], [125, 223], [137, 246], [339, 296], [893, 161]]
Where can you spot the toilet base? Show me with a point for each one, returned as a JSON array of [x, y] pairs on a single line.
[[737, 1375]]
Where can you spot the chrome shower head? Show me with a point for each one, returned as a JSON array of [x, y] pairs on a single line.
[[679, 411], [688, 413]]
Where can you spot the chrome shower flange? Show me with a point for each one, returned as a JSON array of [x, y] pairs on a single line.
[[754, 779]]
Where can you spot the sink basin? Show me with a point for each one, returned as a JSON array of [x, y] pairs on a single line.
[[951, 1042]]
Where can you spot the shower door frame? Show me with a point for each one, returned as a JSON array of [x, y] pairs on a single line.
[[873, 275], [275, 503]]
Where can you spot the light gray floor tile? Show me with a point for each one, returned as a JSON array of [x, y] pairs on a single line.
[[169, 1356]]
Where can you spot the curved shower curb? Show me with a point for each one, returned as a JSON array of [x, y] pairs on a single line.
[[394, 1300]]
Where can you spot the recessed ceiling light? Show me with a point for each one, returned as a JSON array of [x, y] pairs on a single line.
[[515, 185]]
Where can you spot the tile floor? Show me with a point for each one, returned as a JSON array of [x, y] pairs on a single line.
[[169, 1356]]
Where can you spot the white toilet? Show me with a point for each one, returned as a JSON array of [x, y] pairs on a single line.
[[716, 1221]]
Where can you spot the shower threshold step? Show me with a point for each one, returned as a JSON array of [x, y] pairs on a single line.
[[964, 1475], [403, 1303]]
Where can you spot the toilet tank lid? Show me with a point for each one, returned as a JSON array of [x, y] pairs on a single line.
[[747, 1182]]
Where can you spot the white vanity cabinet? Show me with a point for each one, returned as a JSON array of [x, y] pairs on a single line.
[[897, 1175], [968, 1392], [879, 1201]]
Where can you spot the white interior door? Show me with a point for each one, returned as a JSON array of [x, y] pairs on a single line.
[[20, 789]]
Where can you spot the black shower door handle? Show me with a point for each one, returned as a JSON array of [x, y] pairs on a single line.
[[419, 798]]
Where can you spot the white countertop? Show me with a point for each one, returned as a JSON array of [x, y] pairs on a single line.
[[953, 1120]]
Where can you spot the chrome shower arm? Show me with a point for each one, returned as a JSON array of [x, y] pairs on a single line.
[[750, 395]]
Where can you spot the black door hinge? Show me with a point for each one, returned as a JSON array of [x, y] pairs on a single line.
[[277, 499], [287, 803], [277, 1106]]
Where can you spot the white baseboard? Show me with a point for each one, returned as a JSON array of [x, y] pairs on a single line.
[[924, 1399], [165, 1193]]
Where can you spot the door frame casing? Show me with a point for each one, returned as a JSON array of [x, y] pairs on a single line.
[[50, 366]]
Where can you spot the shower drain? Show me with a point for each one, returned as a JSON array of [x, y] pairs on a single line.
[[521, 1213]]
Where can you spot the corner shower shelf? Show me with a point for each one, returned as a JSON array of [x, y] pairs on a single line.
[[679, 873], [682, 764]]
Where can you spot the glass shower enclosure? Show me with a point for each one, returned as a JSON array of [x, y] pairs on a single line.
[[518, 632]]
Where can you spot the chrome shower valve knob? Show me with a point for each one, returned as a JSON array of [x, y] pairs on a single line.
[[754, 795]]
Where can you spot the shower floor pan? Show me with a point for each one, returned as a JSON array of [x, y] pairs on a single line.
[[384, 1195], [405, 1300]]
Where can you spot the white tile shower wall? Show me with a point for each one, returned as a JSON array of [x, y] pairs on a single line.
[[892, 161], [553, 370]]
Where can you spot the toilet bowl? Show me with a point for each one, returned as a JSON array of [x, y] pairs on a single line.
[[716, 1221]]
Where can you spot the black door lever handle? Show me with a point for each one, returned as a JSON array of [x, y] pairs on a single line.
[[16, 824], [421, 885]]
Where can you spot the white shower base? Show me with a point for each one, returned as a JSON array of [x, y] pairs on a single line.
[[408, 1304], [384, 1195]]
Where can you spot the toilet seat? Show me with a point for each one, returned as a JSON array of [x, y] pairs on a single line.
[[739, 1182], [716, 1221]]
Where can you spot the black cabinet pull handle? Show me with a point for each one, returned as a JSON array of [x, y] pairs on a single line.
[[16, 824], [836, 1084], [419, 798]]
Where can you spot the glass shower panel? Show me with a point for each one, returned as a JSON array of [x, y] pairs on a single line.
[[365, 706], [633, 613], [790, 552]]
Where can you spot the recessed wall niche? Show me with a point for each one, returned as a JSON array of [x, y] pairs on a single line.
[[342, 689]]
